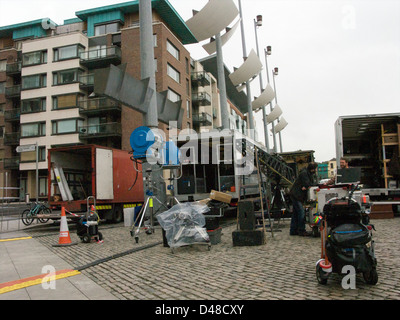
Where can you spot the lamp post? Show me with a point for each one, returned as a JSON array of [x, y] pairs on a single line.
[[248, 90], [267, 52], [274, 74], [258, 23]]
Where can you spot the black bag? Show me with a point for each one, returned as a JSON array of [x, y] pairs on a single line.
[[349, 235], [341, 211]]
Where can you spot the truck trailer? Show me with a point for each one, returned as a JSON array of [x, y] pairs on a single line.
[[84, 175], [226, 161], [372, 143]]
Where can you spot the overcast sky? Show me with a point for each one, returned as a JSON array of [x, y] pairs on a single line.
[[335, 57]]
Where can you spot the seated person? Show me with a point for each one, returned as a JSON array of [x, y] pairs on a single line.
[[344, 164]]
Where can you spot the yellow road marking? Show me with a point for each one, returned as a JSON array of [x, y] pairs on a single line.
[[24, 283], [15, 239]]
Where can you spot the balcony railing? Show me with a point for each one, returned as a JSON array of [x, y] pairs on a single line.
[[201, 78], [104, 130], [203, 118], [201, 98], [86, 81], [13, 92], [11, 163], [12, 139], [101, 57], [98, 106], [14, 68], [12, 115]]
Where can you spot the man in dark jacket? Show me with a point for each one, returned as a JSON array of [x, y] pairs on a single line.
[[298, 195]]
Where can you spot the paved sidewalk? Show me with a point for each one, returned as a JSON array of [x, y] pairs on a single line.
[[283, 269], [26, 258]]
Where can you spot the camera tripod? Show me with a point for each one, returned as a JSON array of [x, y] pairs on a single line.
[[149, 183]]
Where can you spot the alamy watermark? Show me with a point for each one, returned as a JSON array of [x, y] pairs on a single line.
[[226, 148], [49, 280]]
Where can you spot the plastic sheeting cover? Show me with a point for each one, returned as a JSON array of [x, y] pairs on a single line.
[[184, 224]]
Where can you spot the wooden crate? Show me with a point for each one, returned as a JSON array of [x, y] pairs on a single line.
[[381, 211]]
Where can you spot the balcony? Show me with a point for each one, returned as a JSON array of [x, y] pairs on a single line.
[[200, 79], [202, 119], [201, 99], [11, 163], [14, 69], [12, 139], [86, 82], [101, 58], [105, 130], [13, 92], [98, 106], [12, 115]]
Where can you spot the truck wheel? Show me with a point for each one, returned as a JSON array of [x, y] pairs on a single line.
[[118, 215]]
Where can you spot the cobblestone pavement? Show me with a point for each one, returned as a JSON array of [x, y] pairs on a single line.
[[283, 268]]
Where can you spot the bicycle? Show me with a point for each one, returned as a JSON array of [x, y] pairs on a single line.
[[27, 216]]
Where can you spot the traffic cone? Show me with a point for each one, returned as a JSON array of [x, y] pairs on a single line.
[[64, 238]]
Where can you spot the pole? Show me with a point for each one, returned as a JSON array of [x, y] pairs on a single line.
[[147, 59], [222, 85], [270, 104], [150, 119], [276, 102], [261, 90], [248, 90], [37, 172]]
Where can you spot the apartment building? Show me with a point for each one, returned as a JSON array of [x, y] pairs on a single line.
[[46, 83], [205, 90]]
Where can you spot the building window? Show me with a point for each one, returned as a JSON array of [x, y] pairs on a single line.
[[173, 73], [35, 81], [37, 129], [173, 96], [34, 58], [188, 108], [154, 40], [65, 101], [31, 156], [1, 132], [66, 126], [107, 28], [187, 65], [33, 105], [66, 76], [172, 50], [68, 52], [2, 88], [97, 125], [43, 186], [3, 65]]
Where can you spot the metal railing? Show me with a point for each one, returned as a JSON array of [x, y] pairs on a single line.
[[203, 118], [13, 91], [100, 130], [98, 104], [13, 68], [96, 54]]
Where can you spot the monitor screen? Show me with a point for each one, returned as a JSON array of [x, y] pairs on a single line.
[[349, 175]]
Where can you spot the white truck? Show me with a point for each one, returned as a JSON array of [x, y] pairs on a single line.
[[372, 143]]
